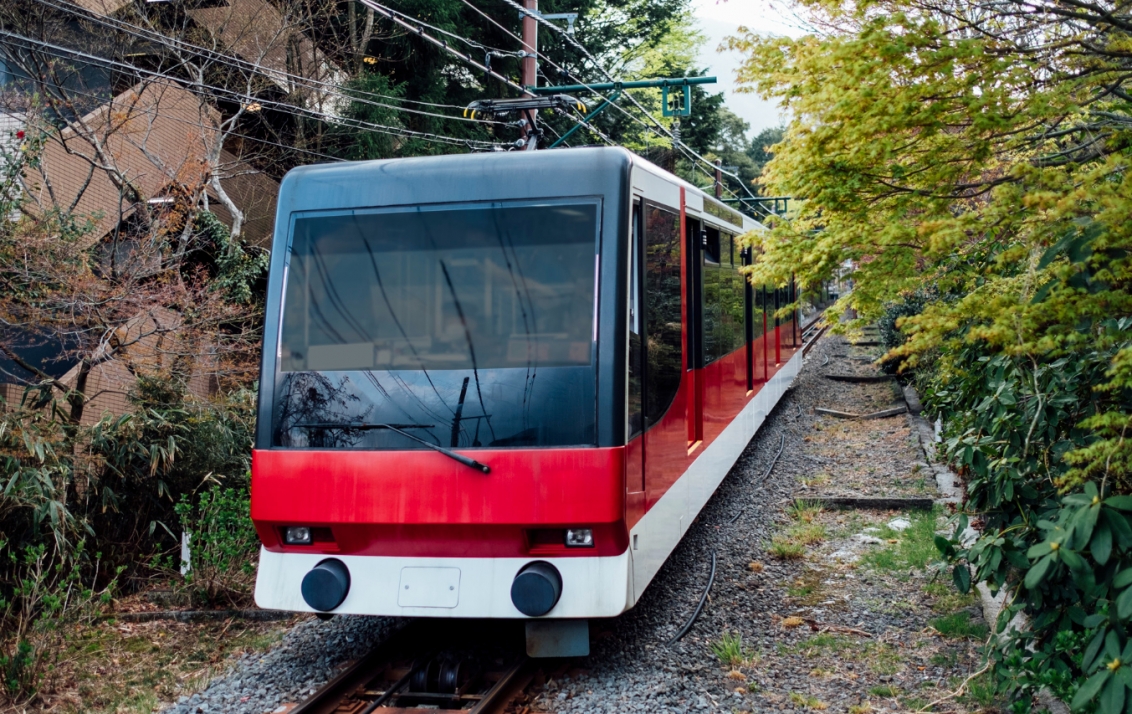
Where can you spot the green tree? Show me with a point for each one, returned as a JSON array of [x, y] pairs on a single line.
[[979, 155], [632, 39], [759, 149]]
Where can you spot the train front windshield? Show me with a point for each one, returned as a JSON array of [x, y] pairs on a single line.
[[464, 326]]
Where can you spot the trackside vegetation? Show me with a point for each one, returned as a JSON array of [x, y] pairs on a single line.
[[972, 161]]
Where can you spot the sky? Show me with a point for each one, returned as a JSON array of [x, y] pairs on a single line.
[[721, 18]]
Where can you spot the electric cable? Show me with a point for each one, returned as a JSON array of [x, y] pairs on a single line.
[[781, 446], [406, 22], [567, 73], [676, 141], [206, 127], [248, 100], [243, 99], [699, 608], [696, 158], [360, 96], [236, 62]]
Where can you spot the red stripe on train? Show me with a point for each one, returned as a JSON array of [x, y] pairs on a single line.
[[376, 499], [420, 503]]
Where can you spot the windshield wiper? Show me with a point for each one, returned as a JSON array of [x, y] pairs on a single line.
[[399, 428]]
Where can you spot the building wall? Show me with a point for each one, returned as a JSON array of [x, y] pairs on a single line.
[[154, 135]]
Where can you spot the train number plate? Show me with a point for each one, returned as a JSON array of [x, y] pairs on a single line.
[[429, 587]]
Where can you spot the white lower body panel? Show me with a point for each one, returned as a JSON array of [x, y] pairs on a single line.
[[656, 535], [428, 587]]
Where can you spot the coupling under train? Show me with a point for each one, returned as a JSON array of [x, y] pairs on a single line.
[[501, 385]]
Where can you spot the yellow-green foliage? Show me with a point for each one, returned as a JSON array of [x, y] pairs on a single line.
[[976, 157]]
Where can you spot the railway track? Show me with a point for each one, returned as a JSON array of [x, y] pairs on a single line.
[[452, 665], [812, 331]]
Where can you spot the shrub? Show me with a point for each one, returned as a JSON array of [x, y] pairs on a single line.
[[222, 544], [1016, 428], [116, 495], [49, 590]]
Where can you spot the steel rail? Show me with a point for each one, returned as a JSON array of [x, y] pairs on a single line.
[[355, 689]]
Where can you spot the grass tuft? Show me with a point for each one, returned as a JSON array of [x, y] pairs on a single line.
[[946, 599], [807, 534], [880, 657], [803, 531], [784, 549], [914, 547], [815, 480], [729, 649], [805, 700], [959, 626], [804, 511]]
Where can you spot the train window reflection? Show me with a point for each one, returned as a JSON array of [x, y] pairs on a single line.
[[465, 327], [443, 289], [725, 298], [663, 323]]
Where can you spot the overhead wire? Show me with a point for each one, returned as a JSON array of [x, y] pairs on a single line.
[[562, 70], [243, 65], [407, 21], [680, 145], [677, 143], [247, 100], [453, 35], [166, 39], [696, 159], [208, 127]]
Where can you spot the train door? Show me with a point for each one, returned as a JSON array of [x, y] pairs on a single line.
[[635, 453], [777, 327], [768, 358], [663, 363], [749, 323], [695, 236], [795, 315]]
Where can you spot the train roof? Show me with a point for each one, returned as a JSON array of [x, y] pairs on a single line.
[[406, 181]]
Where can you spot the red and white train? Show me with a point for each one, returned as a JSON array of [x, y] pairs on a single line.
[[501, 385]]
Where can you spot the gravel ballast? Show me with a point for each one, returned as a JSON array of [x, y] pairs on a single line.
[[797, 619], [309, 655], [847, 625]]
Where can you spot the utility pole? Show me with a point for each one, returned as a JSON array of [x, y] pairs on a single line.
[[530, 69]]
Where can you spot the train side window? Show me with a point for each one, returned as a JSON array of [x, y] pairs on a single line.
[[742, 257], [756, 298], [725, 298], [737, 296], [663, 315], [636, 366]]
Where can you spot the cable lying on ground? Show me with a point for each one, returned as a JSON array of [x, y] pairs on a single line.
[[699, 608]]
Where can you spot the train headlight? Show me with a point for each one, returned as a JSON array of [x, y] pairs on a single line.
[[297, 535], [579, 538]]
